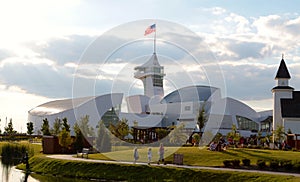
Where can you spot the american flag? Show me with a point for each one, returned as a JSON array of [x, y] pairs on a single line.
[[150, 29]]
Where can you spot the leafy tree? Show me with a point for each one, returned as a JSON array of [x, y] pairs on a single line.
[[56, 126], [45, 127], [279, 133], [120, 130], [29, 128], [64, 139], [83, 124], [65, 124], [196, 138], [103, 140], [9, 129], [78, 143], [161, 133], [177, 135], [201, 118], [233, 134]]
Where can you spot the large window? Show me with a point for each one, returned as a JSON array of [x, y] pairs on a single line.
[[246, 124], [157, 81]]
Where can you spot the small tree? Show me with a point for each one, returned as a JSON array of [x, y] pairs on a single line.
[[64, 139], [103, 140], [9, 129], [201, 118], [177, 135], [56, 127], [120, 130], [29, 128], [84, 126], [45, 127], [233, 134], [279, 133], [65, 124], [78, 143], [161, 133]]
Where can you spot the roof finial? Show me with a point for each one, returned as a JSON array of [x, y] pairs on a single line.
[[282, 56]]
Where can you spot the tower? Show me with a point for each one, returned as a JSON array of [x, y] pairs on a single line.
[[282, 90], [151, 73]]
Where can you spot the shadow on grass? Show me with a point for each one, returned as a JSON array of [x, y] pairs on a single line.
[[245, 152]]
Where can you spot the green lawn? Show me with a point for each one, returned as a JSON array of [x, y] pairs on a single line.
[[202, 156], [129, 172]]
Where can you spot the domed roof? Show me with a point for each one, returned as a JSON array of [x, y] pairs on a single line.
[[189, 94]]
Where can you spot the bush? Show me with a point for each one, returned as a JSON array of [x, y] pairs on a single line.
[[297, 166], [227, 163], [261, 163], [246, 162], [235, 162], [274, 164], [286, 164]]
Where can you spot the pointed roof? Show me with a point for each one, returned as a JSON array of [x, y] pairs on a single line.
[[282, 72], [153, 61]]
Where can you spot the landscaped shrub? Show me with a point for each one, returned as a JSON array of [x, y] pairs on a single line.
[[274, 164], [246, 162], [286, 164], [297, 166], [227, 163], [258, 147], [261, 163], [235, 162]]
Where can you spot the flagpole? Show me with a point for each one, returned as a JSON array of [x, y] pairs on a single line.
[[154, 46]]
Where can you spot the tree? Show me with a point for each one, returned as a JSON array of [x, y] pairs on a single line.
[[161, 133], [103, 140], [29, 128], [177, 135], [65, 124], [78, 143], [83, 124], [45, 127], [120, 130], [201, 118], [9, 129], [64, 139], [279, 133], [233, 134], [56, 127]]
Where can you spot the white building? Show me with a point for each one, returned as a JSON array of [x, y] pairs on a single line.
[[286, 110], [154, 109]]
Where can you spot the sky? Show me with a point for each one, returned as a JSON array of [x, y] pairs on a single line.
[[43, 43]]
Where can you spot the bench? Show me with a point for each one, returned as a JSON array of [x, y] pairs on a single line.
[[84, 152]]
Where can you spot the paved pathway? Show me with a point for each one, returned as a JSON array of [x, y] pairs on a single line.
[[70, 157]]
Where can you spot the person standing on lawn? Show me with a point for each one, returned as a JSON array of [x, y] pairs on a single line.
[[135, 155], [161, 152], [149, 155]]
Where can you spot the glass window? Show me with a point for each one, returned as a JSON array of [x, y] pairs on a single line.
[[157, 81], [246, 123]]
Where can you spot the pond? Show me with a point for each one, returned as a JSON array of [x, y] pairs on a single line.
[[9, 173]]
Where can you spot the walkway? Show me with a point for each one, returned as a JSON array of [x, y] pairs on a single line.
[[70, 157]]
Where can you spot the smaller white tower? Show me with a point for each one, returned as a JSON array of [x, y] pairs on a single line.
[[152, 75], [282, 90]]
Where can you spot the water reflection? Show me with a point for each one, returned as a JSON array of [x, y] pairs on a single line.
[[8, 173]]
